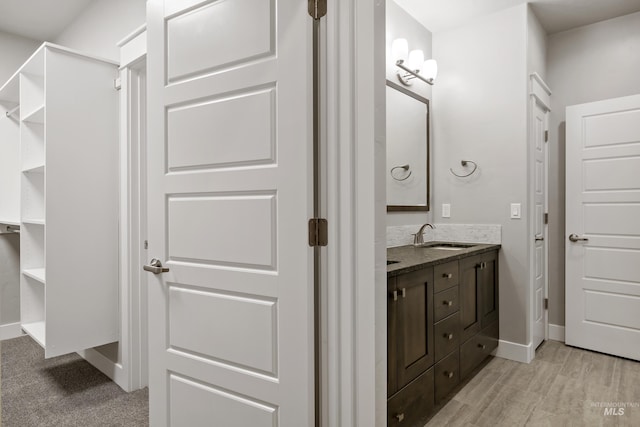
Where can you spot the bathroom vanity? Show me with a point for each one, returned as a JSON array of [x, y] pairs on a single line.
[[442, 323]]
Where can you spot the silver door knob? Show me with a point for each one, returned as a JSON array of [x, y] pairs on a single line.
[[576, 238], [155, 267]]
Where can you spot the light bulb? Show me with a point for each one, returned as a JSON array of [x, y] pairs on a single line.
[[430, 69], [416, 58], [399, 50]]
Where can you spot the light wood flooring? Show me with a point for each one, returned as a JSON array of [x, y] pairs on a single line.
[[563, 386]]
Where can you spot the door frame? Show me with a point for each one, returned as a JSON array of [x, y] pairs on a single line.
[[540, 94], [356, 211]]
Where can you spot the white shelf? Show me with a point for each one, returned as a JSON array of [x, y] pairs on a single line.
[[36, 116], [36, 274], [33, 221], [9, 222], [35, 330]]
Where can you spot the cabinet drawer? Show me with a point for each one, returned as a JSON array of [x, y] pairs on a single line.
[[414, 403], [447, 335], [445, 276], [445, 303], [447, 375], [471, 354], [478, 348]]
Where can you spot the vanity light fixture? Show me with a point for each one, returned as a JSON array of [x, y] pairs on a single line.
[[412, 63]]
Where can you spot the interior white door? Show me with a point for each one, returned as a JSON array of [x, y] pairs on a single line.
[[229, 151], [602, 211], [539, 127]]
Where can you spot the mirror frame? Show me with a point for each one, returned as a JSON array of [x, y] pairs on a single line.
[[418, 208]]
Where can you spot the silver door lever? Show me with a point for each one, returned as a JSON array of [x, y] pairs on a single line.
[[155, 266], [576, 238]]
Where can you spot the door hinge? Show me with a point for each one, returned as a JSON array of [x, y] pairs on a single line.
[[117, 84], [546, 303], [546, 218], [146, 244], [546, 136], [318, 232], [317, 8]]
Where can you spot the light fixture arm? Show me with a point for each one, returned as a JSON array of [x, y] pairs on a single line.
[[400, 64]]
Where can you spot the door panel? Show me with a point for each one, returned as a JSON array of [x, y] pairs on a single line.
[[196, 404], [603, 204], [231, 323], [235, 32], [219, 142]]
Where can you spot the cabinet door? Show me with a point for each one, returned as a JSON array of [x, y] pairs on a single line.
[[415, 344], [488, 286], [469, 297], [392, 336]]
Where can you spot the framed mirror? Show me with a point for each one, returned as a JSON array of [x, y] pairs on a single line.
[[407, 150]]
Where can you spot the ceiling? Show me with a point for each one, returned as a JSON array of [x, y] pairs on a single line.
[[39, 19], [554, 15], [45, 19]]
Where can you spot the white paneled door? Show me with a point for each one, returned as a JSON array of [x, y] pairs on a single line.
[[603, 226], [539, 136], [230, 137]]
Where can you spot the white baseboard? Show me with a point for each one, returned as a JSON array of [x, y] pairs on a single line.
[[514, 351], [10, 330], [113, 370], [556, 333]]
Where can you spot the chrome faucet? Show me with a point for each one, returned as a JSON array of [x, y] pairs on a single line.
[[418, 238]]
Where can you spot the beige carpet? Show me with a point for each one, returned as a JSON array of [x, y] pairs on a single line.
[[62, 391]]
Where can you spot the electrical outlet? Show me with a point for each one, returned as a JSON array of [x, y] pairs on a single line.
[[446, 210], [515, 211]]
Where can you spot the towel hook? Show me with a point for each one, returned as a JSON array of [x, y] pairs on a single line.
[[405, 168], [464, 164]]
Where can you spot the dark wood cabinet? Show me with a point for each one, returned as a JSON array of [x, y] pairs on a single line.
[[442, 323], [410, 307], [478, 309]]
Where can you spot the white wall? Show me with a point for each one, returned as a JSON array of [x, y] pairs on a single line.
[[15, 51], [589, 63], [399, 24], [101, 25], [480, 114], [536, 46]]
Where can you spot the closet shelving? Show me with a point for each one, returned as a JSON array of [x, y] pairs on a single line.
[[65, 106]]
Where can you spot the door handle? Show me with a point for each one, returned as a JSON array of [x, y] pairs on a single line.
[[155, 267], [539, 238], [576, 238]]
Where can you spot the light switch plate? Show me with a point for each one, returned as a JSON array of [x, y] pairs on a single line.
[[446, 210], [515, 211]]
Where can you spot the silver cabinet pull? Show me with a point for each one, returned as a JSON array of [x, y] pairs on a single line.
[[155, 267], [400, 417], [576, 238], [447, 303], [448, 336], [447, 275], [404, 292], [448, 374], [482, 346]]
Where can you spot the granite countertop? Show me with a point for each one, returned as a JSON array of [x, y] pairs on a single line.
[[411, 258]]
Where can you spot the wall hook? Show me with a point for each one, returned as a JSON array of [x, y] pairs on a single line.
[[405, 168], [464, 164]]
